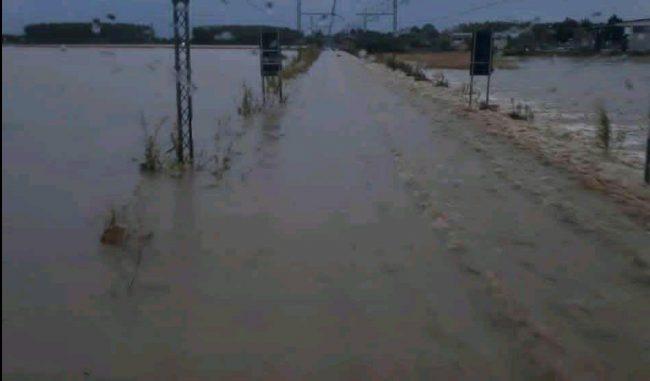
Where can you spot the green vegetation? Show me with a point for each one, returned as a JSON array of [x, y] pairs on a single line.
[[302, 62], [410, 70], [152, 161], [605, 137], [425, 38], [12, 39], [114, 234], [520, 111], [224, 143], [88, 33], [603, 128], [495, 26], [439, 80], [248, 104], [240, 35]]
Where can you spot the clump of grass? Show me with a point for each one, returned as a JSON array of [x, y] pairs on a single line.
[[417, 71], [605, 137], [464, 88], [491, 107], [152, 154], [273, 86], [521, 111], [224, 143], [246, 105], [603, 128], [113, 234], [301, 63], [418, 74], [439, 80]]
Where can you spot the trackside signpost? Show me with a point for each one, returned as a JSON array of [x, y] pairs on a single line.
[[270, 59], [481, 60], [647, 159]]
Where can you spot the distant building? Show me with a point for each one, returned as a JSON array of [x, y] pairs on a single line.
[[501, 39], [461, 41], [638, 34]]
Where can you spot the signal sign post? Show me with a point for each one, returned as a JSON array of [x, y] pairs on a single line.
[[647, 159], [481, 60], [270, 60]]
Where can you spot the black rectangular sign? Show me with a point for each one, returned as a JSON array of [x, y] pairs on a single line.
[[481, 63], [270, 53]]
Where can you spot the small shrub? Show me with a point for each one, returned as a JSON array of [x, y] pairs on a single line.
[[114, 234], [520, 111], [152, 161], [246, 105], [490, 107], [439, 80], [273, 86], [603, 128], [418, 74], [224, 142], [301, 63]]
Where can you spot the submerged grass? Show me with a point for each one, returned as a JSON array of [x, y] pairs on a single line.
[[415, 71], [301, 63], [603, 128], [114, 234], [520, 111], [605, 137], [248, 105], [152, 154], [439, 80]]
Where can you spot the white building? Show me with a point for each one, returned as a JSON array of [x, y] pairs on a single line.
[[638, 34]]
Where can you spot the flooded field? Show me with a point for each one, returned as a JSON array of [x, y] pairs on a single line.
[[362, 232], [72, 128], [72, 138], [565, 92]]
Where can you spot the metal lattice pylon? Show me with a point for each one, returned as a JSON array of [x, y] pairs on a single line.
[[184, 142]]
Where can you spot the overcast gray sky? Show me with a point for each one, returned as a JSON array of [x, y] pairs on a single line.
[[441, 13]]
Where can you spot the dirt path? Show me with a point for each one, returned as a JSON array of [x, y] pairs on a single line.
[[367, 234]]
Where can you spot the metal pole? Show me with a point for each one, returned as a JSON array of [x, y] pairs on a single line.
[[179, 113], [471, 88], [332, 14], [395, 17], [188, 75], [471, 69], [263, 90], [365, 20], [487, 93], [183, 66], [299, 15], [647, 159]]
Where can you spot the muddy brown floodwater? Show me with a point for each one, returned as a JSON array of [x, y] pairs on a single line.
[[361, 233]]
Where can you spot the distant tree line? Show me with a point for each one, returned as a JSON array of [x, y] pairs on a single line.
[[12, 39], [495, 26], [240, 35], [426, 37], [522, 36], [88, 32], [571, 34], [97, 32]]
